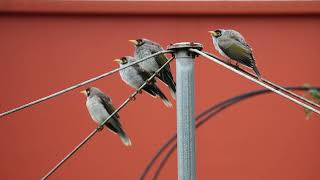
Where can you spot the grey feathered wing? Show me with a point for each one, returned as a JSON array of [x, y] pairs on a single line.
[[240, 51], [114, 124], [151, 87], [165, 75]]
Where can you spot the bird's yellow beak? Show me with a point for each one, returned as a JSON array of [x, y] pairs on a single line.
[[213, 33], [118, 61], [84, 92], [134, 42]]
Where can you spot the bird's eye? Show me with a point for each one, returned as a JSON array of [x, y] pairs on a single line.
[[124, 60], [140, 42], [218, 32], [88, 92]]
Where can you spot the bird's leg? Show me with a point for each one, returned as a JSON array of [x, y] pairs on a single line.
[[100, 128], [133, 98], [229, 61], [140, 91], [237, 65]]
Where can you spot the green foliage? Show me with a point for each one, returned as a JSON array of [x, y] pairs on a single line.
[[314, 95]]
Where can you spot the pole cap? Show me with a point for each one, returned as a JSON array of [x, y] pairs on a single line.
[[185, 45]]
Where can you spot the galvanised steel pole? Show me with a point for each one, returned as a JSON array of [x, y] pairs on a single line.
[[185, 108]]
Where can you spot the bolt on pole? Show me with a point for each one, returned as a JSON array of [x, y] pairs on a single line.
[[185, 108]]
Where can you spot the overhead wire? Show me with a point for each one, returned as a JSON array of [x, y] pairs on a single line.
[[275, 88], [131, 97], [207, 114], [268, 82], [79, 85], [265, 85]]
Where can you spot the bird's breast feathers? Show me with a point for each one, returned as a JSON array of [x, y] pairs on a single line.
[[150, 64], [97, 110], [216, 46], [131, 77]]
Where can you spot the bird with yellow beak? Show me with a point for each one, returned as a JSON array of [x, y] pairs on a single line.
[[100, 108], [145, 47], [232, 45], [135, 76]]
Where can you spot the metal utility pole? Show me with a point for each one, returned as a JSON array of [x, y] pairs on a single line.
[[185, 108]]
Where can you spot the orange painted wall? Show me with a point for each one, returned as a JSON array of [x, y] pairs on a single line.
[[262, 138]]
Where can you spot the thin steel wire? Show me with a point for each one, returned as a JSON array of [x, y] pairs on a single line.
[[270, 83], [131, 97], [211, 112], [256, 81], [78, 85]]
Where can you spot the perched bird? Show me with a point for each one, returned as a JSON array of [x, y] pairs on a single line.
[[144, 48], [135, 76], [231, 44], [100, 108]]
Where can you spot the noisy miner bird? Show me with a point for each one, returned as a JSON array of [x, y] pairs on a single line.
[[144, 48], [135, 76], [232, 44], [100, 108]]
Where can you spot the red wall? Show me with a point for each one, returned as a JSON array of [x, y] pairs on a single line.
[[263, 138]]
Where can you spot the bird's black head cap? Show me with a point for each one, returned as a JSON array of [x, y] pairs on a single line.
[[140, 42], [124, 60], [218, 33], [88, 91]]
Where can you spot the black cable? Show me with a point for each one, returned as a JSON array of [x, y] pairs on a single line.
[[173, 147], [214, 110], [173, 138]]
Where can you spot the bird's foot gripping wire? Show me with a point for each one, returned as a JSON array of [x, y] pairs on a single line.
[[229, 61], [100, 128], [140, 91], [235, 66], [133, 98]]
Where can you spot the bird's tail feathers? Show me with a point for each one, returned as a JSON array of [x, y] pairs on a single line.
[[124, 138], [167, 79], [164, 99], [173, 93], [171, 84], [255, 69], [150, 90]]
